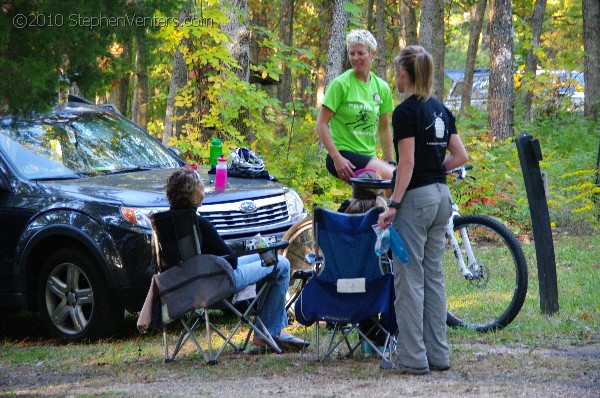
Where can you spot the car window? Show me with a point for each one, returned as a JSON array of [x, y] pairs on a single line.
[[80, 145]]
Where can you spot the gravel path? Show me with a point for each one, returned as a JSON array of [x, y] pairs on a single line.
[[478, 370]]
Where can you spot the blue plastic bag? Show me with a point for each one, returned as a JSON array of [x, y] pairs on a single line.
[[388, 238]]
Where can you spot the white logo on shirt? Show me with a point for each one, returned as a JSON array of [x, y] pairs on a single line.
[[439, 126]]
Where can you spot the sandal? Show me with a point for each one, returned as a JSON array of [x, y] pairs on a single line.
[[290, 342], [258, 350], [261, 347]]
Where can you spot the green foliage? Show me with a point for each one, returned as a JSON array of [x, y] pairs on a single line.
[[569, 165], [561, 42], [353, 11], [279, 54], [38, 38], [215, 97], [296, 161], [569, 145], [551, 90]]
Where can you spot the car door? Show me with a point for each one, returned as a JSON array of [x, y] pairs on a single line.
[[12, 223]]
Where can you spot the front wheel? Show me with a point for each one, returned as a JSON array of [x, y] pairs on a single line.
[[301, 254], [494, 295], [74, 300]]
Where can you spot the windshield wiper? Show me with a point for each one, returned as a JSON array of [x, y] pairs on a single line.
[[56, 178], [132, 169]]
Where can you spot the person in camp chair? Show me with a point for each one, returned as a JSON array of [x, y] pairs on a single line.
[[185, 190], [362, 200]]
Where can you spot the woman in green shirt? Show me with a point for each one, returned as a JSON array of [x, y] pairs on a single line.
[[355, 114]]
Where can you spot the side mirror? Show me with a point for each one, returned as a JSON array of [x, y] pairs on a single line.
[[175, 151]]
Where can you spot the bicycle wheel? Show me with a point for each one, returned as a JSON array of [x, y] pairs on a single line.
[[496, 293], [300, 253]]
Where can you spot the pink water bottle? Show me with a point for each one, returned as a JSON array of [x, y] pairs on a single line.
[[221, 172]]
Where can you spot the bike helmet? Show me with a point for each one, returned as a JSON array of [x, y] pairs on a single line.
[[243, 159]]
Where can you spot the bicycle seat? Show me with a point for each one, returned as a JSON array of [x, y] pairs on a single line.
[[370, 183]]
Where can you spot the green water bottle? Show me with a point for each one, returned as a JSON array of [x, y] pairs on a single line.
[[216, 150]]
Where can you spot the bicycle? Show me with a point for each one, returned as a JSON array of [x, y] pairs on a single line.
[[486, 283]]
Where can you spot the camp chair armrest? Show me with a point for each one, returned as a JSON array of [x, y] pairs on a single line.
[[282, 244]]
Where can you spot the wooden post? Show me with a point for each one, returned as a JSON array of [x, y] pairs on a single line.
[[530, 154]]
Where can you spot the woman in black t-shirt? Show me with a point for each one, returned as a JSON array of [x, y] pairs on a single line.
[[426, 144]]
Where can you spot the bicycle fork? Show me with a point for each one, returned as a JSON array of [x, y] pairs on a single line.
[[462, 267]]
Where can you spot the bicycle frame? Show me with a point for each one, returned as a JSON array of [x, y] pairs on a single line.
[[461, 173], [462, 267]]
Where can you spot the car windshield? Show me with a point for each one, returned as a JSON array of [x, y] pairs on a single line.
[[79, 145]]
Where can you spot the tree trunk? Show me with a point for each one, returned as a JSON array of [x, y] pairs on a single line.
[[381, 53], [336, 53], [139, 106], [432, 39], [474, 35], [239, 48], [179, 78], [502, 87], [121, 94], [306, 84], [591, 66], [286, 30], [532, 60], [337, 47], [324, 39], [408, 24], [370, 14], [238, 32], [591, 63]]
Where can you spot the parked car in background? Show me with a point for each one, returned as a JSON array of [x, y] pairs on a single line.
[[479, 93], [556, 89], [76, 188]]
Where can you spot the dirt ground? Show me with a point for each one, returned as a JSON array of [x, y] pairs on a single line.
[[477, 370]]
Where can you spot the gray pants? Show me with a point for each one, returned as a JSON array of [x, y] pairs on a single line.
[[420, 295]]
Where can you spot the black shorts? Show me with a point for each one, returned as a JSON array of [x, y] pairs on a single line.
[[359, 161]]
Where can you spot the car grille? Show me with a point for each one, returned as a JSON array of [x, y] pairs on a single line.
[[227, 217]]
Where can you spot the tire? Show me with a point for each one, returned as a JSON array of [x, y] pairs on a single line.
[[494, 297], [74, 300], [301, 245]]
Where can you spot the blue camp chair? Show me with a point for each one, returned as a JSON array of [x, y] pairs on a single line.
[[350, 287]]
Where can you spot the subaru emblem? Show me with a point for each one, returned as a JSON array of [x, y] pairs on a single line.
[[248, 206]]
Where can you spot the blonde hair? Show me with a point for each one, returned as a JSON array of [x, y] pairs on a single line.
[[418, 64], [361, 36]]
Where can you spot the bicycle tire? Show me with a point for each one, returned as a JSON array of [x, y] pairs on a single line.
[[495, 296], [301, 243]]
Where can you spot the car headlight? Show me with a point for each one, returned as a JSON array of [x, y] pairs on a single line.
[[139, 216], [294, 203]]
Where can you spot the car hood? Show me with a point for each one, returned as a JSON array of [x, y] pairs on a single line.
[[147, 188]]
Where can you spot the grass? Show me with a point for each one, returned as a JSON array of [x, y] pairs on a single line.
[[578, 320], [577, 323], [536, 355]]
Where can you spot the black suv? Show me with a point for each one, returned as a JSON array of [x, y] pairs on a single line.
[[76, 189]]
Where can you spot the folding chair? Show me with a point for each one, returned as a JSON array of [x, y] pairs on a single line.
[[351, 286], [187, 284]]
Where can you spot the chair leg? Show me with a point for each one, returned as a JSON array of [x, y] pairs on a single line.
[[166, 345], [257, 326]]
